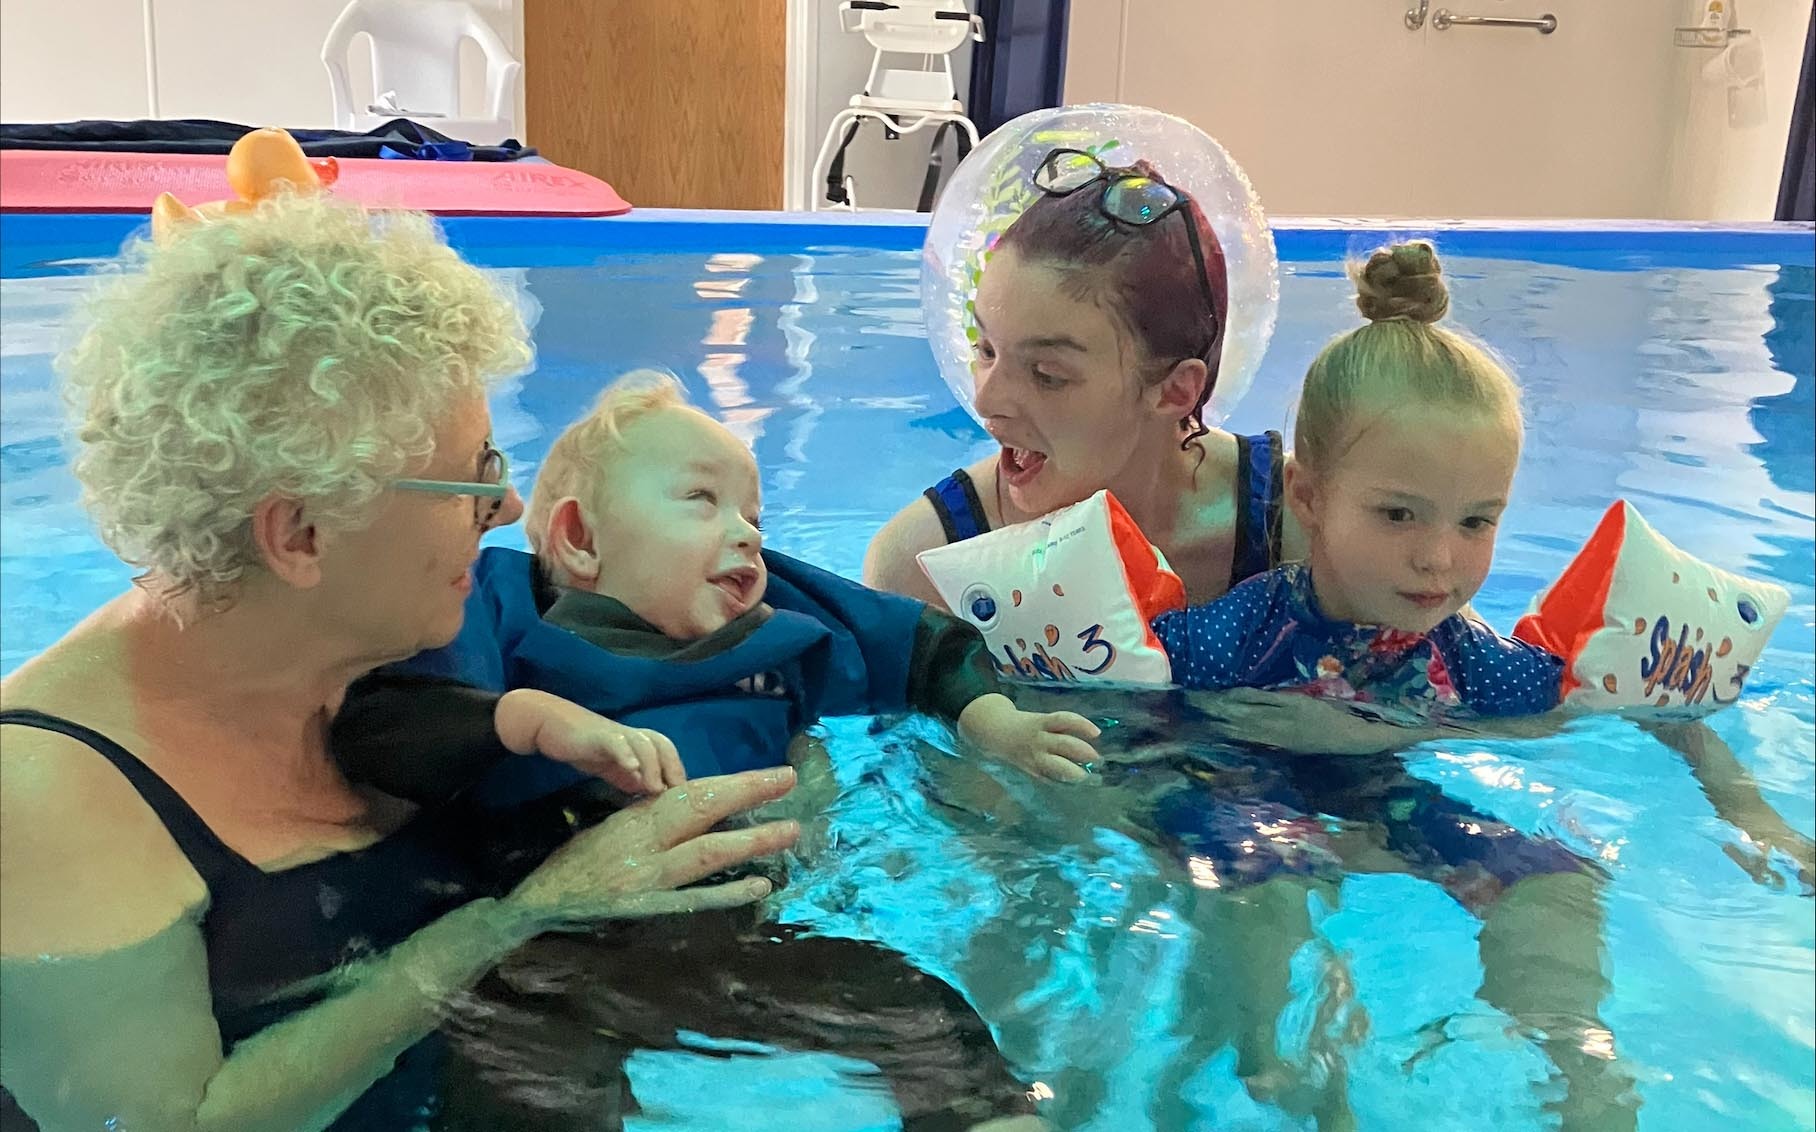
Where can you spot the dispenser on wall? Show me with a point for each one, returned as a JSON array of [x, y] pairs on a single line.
[[1715, 25]]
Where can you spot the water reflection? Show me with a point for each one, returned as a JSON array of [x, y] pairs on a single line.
[[1782, 419]]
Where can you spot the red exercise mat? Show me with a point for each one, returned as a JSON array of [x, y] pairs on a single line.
[[79, 181]]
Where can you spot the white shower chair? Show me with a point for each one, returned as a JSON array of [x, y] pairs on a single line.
[[904, 98], [415, 59]]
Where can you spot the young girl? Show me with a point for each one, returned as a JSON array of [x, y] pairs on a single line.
[[1405, 448], [1407, 438]]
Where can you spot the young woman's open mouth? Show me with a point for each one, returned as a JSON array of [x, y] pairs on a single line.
[[1021, 465]]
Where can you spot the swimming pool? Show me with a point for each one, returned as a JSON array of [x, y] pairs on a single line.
[[1669, 366]]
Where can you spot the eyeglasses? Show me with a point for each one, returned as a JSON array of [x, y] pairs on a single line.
[[488, 491], [1129, 197]]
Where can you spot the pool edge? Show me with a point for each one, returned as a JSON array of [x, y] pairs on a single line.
[[42, 243]]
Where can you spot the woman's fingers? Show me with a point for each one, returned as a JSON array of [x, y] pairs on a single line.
[[715, 852], [578, 881], [705, 898], [688, 810]]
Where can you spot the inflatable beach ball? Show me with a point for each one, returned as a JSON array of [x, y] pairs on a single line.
[[993, 185]]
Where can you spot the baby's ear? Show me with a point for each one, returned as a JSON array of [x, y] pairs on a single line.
[[568, 544]]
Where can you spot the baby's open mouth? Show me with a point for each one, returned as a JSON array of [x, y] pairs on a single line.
[[739, 586]]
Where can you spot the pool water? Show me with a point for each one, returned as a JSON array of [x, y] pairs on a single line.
[[1678, 375]]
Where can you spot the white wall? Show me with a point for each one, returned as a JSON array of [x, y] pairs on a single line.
[[252, 61], [72, 59], [1719, 170], [1335, 108], [827, 67]]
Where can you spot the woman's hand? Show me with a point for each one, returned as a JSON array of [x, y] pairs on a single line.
[[1054, 744], [633, 759], [637, 862]]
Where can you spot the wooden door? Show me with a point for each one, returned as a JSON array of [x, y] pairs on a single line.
[[677, 103]]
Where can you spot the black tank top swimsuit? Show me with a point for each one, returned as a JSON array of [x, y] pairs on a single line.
[[270, 935]]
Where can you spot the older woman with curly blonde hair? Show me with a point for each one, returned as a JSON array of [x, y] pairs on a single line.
[[282, 422]]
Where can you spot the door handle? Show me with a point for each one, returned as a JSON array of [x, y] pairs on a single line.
[[1444, 18]]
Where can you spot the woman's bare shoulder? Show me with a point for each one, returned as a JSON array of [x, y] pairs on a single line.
[[889, 562], [85, 864]]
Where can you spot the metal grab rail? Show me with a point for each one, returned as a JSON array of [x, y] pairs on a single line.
[[1444, 18]]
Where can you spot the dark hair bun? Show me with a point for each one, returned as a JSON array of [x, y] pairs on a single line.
[[1402, 281]]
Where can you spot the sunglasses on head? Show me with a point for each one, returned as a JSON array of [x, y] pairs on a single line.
[[1129, 197], [488, 489]]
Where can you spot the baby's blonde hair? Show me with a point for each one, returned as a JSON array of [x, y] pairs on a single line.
[[307, 348], [581, 456], [1399, 359]]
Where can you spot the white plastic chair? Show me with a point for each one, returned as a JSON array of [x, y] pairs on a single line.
[[904, 99], [416, 68]]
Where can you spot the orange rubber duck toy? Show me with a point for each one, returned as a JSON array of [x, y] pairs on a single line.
[[259, 164]]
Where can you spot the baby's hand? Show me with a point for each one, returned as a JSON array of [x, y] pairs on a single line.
[[633, 759], [1049, 744]]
